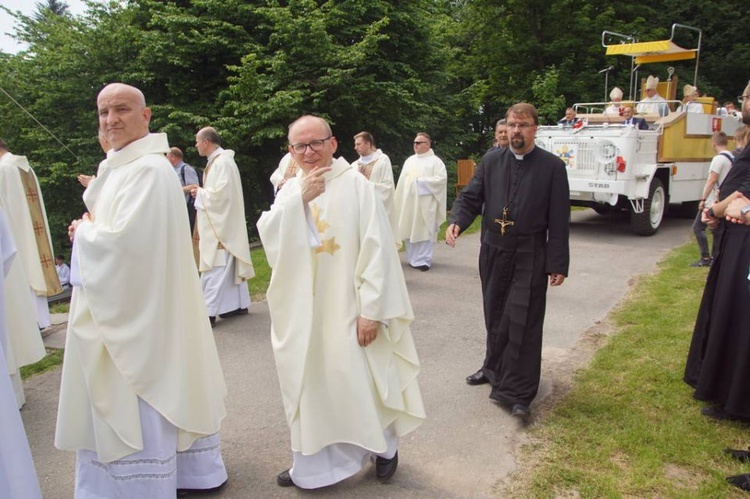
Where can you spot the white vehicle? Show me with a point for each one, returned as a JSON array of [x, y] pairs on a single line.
[[616, 166]]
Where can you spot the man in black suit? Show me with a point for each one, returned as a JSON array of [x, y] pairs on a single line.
[[639, 123]]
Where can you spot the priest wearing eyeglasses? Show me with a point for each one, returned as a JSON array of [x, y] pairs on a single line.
[[524, 191], [340, 315]]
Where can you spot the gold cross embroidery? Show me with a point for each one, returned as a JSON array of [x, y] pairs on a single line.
[[31, 195], [504, 222], [328, 245]]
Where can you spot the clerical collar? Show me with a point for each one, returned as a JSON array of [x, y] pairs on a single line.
[[216, 152], [366, 159], [426, 154], [520, 157]]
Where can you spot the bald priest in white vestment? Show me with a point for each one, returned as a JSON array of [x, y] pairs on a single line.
[[340, 316], [17, 474], [142, 392], [24, 344], [24, 203], [420, 202], [225, 263]]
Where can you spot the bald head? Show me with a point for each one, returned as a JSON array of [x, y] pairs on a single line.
[[123, 115]]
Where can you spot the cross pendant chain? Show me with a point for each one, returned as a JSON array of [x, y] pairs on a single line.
[[504, 222]]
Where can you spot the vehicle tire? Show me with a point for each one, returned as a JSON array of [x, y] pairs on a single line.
[[648, 222]]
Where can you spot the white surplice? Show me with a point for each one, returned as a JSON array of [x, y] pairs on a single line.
[[333, 261], [138, 327], [17, 474]]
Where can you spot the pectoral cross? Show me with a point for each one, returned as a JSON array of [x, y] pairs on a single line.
[[504, 222]]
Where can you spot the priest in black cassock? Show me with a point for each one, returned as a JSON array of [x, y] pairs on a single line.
[[718, 363], [525, 228]]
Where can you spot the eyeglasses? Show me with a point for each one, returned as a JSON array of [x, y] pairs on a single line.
[[520, 126], [741, 98], [315, 145], [417, 142]]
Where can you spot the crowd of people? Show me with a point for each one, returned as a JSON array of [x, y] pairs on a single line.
[[143, 411]]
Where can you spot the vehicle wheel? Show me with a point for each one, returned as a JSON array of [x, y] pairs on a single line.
[[648, 222]]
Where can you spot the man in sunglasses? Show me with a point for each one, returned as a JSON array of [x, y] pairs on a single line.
[[420, 202]]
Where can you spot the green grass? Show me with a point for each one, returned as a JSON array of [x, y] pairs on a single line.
[[53, 359], [258, 285], [629, 427], [60, 308]]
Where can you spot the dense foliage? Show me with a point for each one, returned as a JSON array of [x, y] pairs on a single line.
[[448, 67]]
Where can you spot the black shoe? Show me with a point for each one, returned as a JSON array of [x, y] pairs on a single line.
[[239, 311], [478, 378], [741, 455], [212, 320], [423, 268], [703, 262], [740, 481], [385, 468], [284, 479], [520, 411], [190, 492]]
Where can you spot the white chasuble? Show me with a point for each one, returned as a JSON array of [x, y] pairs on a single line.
[[379, 171], [17, 474], [421, 197], [287, 169], [28, 220], [333, 389], [137, 325], [220, 216], [23, 344]]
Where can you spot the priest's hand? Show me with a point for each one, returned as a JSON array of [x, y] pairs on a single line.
[[74, 225], [451, 234], [314, 184], [367, 331], [556, 279]]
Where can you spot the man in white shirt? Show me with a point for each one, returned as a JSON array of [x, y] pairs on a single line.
[[717, 172], [224, 248], [420, 202], [63, 272], [142, 392]]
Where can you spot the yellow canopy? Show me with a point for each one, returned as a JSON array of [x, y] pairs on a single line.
[[658, 51]]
